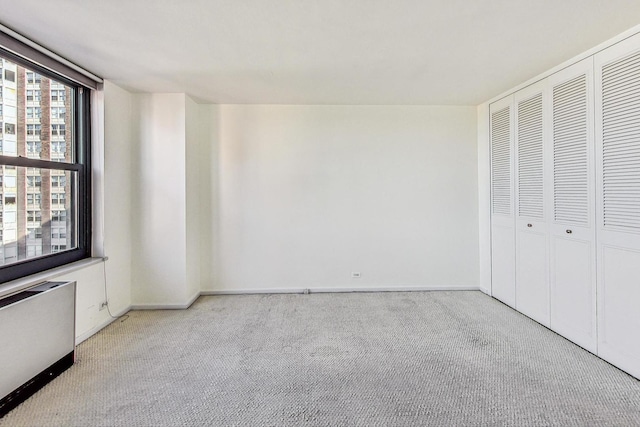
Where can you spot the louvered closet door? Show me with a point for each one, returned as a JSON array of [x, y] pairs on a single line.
[[618, 196], [572, 225], [502, 202], [532, 273]]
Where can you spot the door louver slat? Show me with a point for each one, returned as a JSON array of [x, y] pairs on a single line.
[[530, 158], [621, 143], [570, 168], [501, 161]]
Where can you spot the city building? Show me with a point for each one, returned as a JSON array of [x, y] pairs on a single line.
[[35, 114]]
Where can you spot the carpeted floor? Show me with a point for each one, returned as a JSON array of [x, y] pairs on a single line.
[[361, 359]]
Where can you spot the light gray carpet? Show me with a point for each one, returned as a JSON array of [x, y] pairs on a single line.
[[364, 359]]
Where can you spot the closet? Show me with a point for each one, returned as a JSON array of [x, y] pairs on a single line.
[[565, 206]]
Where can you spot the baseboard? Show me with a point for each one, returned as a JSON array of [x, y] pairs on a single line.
[[339, 290], [91, 332], [298, 291], [184, 306]]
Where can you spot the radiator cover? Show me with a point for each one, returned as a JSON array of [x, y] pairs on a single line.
[[37, 339]]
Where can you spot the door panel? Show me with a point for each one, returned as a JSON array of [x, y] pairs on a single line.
[[573, 300], [503, 263], [502, 202], [572, 224], [532, 258], [532, 292], [618, 316]]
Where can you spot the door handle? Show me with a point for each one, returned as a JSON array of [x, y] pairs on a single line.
[[529, 225], [569, 231]]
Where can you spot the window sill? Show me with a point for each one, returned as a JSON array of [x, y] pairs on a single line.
[[22, 283]]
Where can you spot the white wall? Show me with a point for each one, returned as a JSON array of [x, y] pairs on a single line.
[[208, 165], [158, 210], [309, 194], [166, 209], [118, 197]]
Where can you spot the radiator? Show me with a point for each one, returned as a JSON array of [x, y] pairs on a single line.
[[37, 339]]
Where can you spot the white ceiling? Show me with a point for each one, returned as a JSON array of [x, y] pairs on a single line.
[[460, 52]]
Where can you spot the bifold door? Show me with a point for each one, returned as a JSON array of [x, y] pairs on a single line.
[[502, 212], [532, 258], [572, 225]]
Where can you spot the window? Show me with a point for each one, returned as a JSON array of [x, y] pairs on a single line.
[[33, 78], [34, 233], [34, 147], [34, 130], [49, 213], [57, 130], [59, 216], [34, 216], [58, 181], [33, 95], [58, 198], [34, 250], [58, 95], [34, 199], [34, 112], [58, 146], [34, 181], [10, 75], [58, 112]]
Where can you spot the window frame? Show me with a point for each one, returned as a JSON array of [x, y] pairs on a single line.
[[81, 124]]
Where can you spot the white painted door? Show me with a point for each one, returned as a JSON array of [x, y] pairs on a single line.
[[502, 201], [532, 272], [571, 208], [617, 92]]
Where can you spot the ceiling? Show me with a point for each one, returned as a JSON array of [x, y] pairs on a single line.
[[434, 52]]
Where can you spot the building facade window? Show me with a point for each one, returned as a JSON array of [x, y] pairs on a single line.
[[33, 78], [34, 181], [58, 112], [58, 95], [58, 181], [58, 130], [34, 112], [33, 95], [34, 130], [9, 75], [34, 216]]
